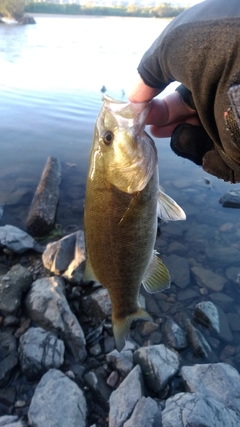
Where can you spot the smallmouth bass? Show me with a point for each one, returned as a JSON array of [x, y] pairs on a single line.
[[122, 203]]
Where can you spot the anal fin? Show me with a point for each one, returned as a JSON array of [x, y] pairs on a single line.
[[157, 277]]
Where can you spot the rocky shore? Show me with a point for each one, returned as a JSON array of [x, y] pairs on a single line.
[[58, 362]]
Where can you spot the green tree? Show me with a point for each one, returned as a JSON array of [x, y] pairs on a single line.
[[12, 9]]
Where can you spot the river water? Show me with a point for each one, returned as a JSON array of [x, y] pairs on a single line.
[[51, 75]]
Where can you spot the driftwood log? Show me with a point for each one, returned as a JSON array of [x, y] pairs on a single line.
[[43, 209]]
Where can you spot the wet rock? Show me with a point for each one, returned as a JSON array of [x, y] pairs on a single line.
[[195, 410], [198, 342], [148, 327], [100, 389], [174, 336], [123, 400], [48, 307], [209, 279], [98, 303], [231, 199], [220, 299], [11, 421], [179, 270], [121, 362], [42, 212], [17, 281], [39, 351], [210, 315], [8, 357], [223, 255], [145, 414], [187, 295], [234, 321], [17, 240], [158, 363], [62, 401], [232, 273], [227, 352], [219, 381]]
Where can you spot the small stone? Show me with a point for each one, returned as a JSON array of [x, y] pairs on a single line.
[[227, 352], [209, 279], [148, 328], [173, 334], [113, 379]]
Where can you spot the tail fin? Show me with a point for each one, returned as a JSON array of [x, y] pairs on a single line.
[[121, 327]]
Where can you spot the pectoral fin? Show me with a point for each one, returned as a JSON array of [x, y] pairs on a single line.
[[157, 277], [168, 209], [121, 327], [88, 273]]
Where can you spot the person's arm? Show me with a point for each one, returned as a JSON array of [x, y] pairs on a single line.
[[201, 49]]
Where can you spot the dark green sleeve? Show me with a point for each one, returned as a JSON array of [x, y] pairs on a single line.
[[201, 50]]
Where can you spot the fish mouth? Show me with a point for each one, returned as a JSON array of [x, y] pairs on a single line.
[[129, 114]]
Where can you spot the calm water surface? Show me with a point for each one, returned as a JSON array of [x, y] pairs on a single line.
[[51, 76]]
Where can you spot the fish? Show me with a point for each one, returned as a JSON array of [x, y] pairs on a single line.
[[122, 203]]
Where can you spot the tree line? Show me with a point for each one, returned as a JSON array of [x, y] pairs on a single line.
[[16, 9], [164, 10]]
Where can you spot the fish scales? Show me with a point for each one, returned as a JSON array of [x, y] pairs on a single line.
[[120, 216]]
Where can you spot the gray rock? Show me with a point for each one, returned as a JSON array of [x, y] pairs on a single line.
[[122, 362], [75, 271], [219, 381], [179, 270], [208, 278], [39, 351], [158, 363], [58, 255], [234, 321], [197, 410], [145, 414], [12, 285], [1, 211], [224, 255], [99, 303], [224, 301], [123, 400], [11, 421], [233, 273], [173, 334], [63, 402], [99, 388], [210, 315], [17, 240], [198, 342], [42, 212], [8, 357], [48, 307], [231, 199]]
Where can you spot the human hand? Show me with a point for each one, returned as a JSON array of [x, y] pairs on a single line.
[[164, 114], [201, 117]]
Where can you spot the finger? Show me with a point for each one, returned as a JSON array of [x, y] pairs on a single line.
[[169, 110], [142, 92], [166, 131]]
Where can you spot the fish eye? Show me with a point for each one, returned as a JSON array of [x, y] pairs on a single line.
[[108, 137]]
